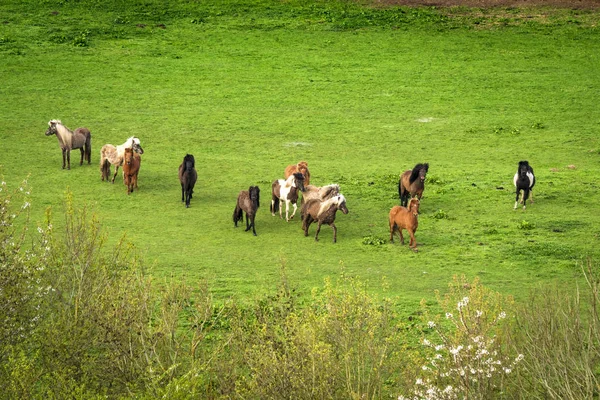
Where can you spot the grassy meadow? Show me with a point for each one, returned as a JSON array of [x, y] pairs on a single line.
[[361, 94]]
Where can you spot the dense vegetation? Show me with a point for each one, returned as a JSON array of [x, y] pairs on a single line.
[[137, 297]]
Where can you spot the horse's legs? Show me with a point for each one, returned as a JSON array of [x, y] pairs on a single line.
[[116, 171], [252, 225], [392, 229], [82, 154], [334, 232], [182, 192], [525, 196], [401, 236], [517, 199], [281, 209], [318, 230], [295, 209], [68, 159], [413, 242], [64, 152]]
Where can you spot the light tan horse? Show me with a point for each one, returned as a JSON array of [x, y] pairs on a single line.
[[405, 218], [68, 140], [301, 167], [110, 154]]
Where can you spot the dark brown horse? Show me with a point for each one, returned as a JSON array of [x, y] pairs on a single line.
[[405, 218], [248, 201], [324, 213], [301, 167], [412, 183], [131, 167], [68, 140], [188, 177], [286, 190]]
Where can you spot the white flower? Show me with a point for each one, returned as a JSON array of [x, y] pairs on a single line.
[[456, 350], [463, 303], [439, 347], [519, 357], [507, 370], [448, 389], [419, 382], [426, 342], [40, 230], [502, 315], [448, 315], [478, 313], [26, 205], [424, 367], [431, 324]]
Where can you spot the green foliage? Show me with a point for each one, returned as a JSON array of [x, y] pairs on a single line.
[[525, 225], [440, 214], [343, 344], [558, 330], [372, 240]]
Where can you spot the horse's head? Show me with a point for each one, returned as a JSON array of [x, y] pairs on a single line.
[[189, 162], [135, 145], [128, 155], [298, 181], [341, 203], [413, 206], [254, 192], [52, 127], [423, 172], [523, 168]]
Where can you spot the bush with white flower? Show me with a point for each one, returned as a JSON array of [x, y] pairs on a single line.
[[466, 357]]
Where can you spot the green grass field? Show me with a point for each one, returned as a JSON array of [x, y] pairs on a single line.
[[361, 94]]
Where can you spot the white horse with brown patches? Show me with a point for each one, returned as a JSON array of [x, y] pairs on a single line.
[[110, 154], [286, 191]]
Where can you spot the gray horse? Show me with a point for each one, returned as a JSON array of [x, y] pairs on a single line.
[[68, 140]]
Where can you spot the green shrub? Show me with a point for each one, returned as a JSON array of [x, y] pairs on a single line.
[[558, 330]]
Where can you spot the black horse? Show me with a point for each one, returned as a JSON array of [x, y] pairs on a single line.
[[412, 183], [524, 180], [188, 177], [249, 201]]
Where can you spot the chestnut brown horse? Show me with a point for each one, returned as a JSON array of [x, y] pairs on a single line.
[[412, 183], [324, 213], [248, 201], [68, 140], [301, 167], [131, 167], [405, 218]]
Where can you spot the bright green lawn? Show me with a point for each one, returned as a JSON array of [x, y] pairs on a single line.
[[248, 97]]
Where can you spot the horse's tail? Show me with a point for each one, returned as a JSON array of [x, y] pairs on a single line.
[[238, 214], [274, 204], [400, 187]]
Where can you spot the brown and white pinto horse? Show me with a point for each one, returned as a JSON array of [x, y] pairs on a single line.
[[412, 183], [324, 213], [286, 190], [301, 167]]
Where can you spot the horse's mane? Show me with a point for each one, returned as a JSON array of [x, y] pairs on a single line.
[[326, 191], [415, 172], [54, 121], [325, 205]]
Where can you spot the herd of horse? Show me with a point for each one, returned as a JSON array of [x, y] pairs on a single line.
[[318, 204]]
